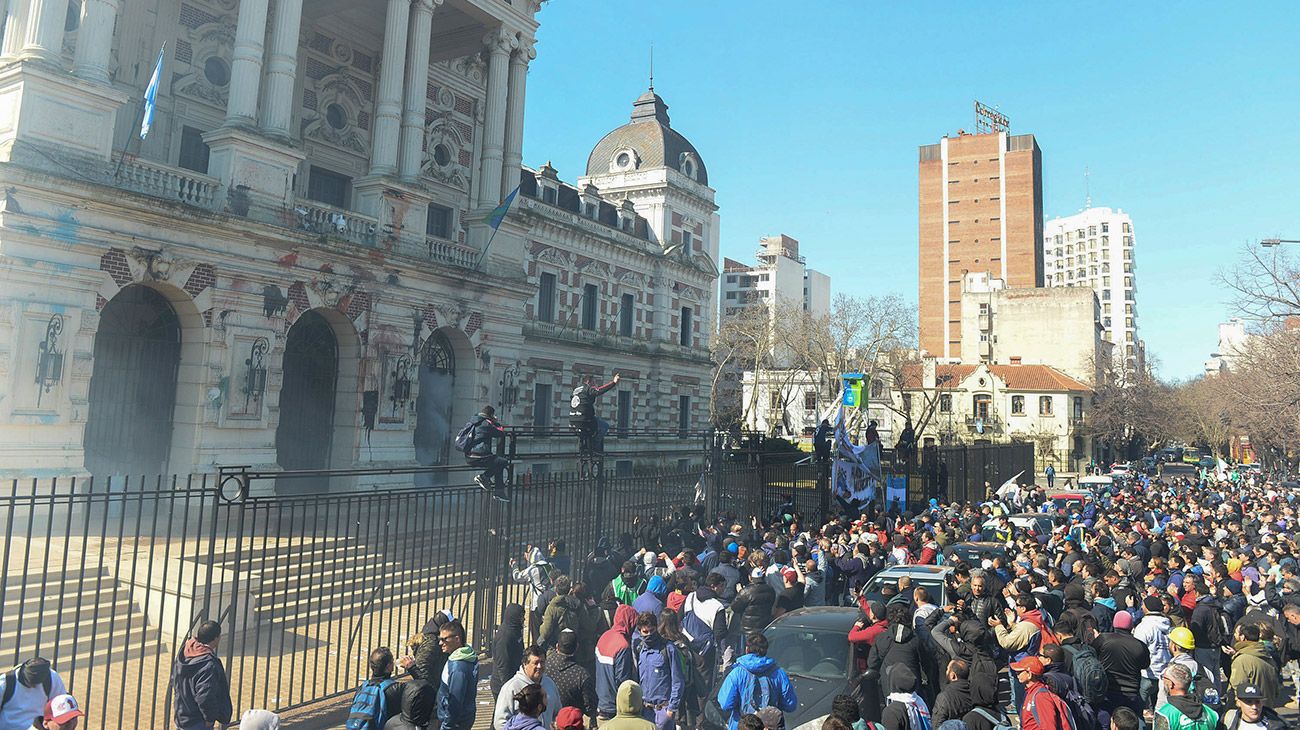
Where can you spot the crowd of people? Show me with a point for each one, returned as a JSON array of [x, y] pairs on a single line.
[[1175, 607]]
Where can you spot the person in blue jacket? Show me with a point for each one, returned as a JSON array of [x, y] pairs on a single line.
[[755, 682], [457, 700], [663, 681]]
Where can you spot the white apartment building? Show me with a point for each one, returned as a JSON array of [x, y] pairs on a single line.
[[781, 275], [1094, 248], [1232, 342]]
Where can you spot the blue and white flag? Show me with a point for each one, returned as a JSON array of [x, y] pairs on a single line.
[[151, 94]]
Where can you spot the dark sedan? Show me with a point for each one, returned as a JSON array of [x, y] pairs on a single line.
[[812, 646], [972, 553]]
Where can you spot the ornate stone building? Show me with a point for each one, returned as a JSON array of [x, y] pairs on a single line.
[[293, 269]]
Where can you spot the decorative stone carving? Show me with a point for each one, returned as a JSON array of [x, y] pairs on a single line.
[[339, 104], [444, 143], [211, 43]]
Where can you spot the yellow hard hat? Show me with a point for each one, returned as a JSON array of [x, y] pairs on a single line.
[[1182, 636]]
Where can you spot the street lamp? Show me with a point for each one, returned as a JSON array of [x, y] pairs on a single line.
[[1271, 242]]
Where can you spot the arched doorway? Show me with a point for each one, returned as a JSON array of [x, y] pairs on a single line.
[[433, 404], [133, 385], [305, 434]]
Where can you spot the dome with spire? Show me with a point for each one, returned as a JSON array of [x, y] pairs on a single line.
[[647, 141]]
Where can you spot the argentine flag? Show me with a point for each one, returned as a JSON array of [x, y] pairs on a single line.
[[151, 94]]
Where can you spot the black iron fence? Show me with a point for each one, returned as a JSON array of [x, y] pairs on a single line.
[[106, 578], [960, 473]]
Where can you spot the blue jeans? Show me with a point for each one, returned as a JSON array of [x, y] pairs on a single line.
[[493, 467]]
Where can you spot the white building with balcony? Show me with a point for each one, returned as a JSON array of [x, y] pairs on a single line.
[[1094, 249], [781, 275], [292, 269]]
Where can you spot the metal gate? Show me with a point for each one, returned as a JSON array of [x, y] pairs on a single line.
[[311, 365], [133, 386]]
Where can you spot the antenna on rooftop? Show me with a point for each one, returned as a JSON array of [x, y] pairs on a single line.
[[652, 67]]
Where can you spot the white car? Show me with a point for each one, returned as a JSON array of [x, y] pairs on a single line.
[[1119, 470]]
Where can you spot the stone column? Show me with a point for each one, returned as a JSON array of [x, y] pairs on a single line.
[[417, 82], [95, 39], [514, 137], [499, 44], [246, 64], [15, 28], [388, 103], [44, 39], [282, 68]]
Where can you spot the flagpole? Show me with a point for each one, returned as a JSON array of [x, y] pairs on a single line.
[[483, 254], [131, 135], [155, 82]]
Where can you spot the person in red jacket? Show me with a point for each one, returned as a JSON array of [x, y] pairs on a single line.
[[1043, 709]]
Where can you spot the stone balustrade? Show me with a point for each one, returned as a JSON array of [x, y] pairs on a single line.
[[167, 182]]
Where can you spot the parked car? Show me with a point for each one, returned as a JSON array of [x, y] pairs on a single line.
[[1207, 462], [1068, 501]]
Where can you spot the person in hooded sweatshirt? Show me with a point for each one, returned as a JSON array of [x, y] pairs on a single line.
[[531, 701], [614, 662], [532, 671], [508, 645], [738, 688], [904, 708], [631, 709], [1153, 630], [428, 658], [898, 647], [199, 682], [652, 601], [419, 701], [456, 701]]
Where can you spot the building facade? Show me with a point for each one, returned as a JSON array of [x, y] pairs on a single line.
[[781, 275], [1060, 327], [983, 403], [1232, 342], [981, 210], [294, 268], [1094, 249]]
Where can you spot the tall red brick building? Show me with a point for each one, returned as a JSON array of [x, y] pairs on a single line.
[[981, 210]]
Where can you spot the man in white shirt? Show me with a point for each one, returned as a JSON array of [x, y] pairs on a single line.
[[24, 691]]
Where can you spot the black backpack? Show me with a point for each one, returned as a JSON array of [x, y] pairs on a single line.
[[1089, 674]]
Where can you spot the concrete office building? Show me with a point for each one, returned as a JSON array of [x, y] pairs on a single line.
[[1094, 249]]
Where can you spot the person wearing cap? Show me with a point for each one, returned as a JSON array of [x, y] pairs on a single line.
[[1183, 711], [1042, 709], [1181, 644], [1252, 664], [576, 685], [1124, 658], [752, 609], [259, 720], [569, 718], [1250, 712], [61, 713], [26, 690], [790, 597]]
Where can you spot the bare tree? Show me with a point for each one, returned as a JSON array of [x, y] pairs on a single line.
[[1131, 409], [1265, 283]]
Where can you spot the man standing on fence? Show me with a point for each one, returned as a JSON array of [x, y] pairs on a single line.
[[199, 681]]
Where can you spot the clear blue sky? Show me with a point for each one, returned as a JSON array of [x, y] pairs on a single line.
[[1187, 115]]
